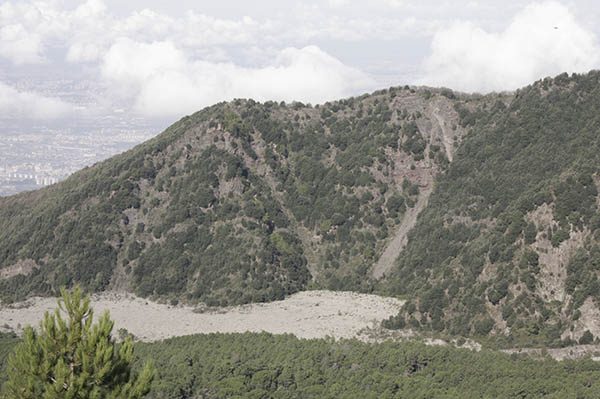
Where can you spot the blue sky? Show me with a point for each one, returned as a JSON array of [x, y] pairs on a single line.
[[163, 59]]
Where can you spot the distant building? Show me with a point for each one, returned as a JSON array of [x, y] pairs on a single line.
[[45, 180]]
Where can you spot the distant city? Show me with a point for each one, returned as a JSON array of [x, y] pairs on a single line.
[[32, 160], [34, 154]]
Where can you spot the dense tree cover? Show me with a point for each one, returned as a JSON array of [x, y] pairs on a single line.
[[267, 366], [8, 342], [479, 241], [281, 366], [325, 168], [73, 358], [233, 204], [73, 230]]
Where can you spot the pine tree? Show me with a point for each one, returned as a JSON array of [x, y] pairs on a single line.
[[73, 358]]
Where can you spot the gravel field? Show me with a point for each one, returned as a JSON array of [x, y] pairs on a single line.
[[309, 314]]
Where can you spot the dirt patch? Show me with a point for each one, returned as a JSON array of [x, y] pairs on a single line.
[[571, 352], [309, 314], [23, 267]]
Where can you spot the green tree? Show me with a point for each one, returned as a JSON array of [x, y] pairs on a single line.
[[73, 358]]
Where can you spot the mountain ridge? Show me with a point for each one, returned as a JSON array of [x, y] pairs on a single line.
[[279, 189], [247, 202]]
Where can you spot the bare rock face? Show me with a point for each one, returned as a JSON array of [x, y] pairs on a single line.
[[23, 267]]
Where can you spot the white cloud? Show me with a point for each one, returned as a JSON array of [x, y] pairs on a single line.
[[19, 45], [18, 42], [88, 31], [338, 3], [394, 3], [30, 28], [543, 39], [90, 9], [132, 62], [166, 62], [27, 28], [148, 24], [84, 51], [18, 104], [164, 82]]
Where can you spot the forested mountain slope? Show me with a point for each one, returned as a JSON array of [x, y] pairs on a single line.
[[239, 202], [510, 241], [246, 202]]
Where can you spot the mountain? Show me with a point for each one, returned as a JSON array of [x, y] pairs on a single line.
[[510, 241], [482, 211], [240, 202]]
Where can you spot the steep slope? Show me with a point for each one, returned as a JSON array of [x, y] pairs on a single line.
[[237, 203], [244, 202], [441, 126], [400, 238], [509, 243]]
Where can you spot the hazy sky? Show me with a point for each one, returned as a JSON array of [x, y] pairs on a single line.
[[165, 59]]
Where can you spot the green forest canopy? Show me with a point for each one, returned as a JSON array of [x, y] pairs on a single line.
[[252, 365]]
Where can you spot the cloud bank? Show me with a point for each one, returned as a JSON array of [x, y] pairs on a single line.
[[163, 81], [166, 63], [544, 39], [25, 105]]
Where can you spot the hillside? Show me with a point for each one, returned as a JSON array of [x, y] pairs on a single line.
[[482, 211], [509, 243], [240, 202]]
